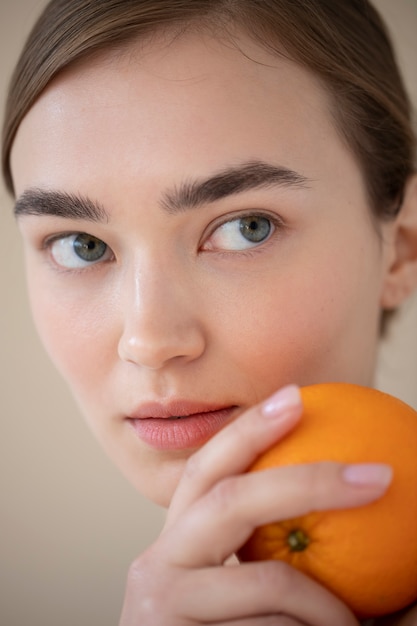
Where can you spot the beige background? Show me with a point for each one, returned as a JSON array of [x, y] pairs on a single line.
[[70, 525]]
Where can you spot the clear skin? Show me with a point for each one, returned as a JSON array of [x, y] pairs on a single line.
[[180, 308]]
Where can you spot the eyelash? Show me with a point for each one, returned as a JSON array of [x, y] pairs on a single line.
[[276, 221], [48, 242]]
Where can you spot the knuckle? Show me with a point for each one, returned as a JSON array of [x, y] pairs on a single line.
[[316, 482], [138, 571], [192, 467], [277, 576], [224, 492], [243, 426], [246, 432], [149, 590]]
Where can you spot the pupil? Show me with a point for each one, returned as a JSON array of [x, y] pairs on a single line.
[[89, 248], [255, 229]]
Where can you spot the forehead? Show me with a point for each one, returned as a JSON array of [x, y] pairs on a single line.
[[190, 64], [172, 103]]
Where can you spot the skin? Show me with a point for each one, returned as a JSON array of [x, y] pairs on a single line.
[[172, 312]]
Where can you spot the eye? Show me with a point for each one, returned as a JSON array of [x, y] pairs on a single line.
[[78, 250], [241, 233]]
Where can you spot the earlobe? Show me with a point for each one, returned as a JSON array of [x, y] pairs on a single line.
[[401, 275]]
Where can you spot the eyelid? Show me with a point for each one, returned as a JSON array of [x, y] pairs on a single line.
[[277, 221], [50, 239], [48, 242], [231, 217]]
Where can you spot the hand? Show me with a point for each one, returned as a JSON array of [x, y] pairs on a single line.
[[181, 580]]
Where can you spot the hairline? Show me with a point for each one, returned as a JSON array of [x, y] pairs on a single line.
[[227, 32]]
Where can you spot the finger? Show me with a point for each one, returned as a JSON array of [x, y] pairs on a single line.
[[235, 447], [222, 521], [270, 588]]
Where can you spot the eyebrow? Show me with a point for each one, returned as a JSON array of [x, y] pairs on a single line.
[[59, 204], [230, 181], [188, 195]]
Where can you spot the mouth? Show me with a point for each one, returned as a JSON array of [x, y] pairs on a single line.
[[179, 425], [177, 417]]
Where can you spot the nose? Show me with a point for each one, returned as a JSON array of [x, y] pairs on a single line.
[[161, 321]]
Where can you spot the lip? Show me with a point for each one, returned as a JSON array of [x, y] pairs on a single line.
[[153, 423]]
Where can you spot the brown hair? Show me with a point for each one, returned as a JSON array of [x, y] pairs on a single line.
[[343, 42]]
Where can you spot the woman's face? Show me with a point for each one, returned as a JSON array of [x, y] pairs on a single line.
[[197, 235]]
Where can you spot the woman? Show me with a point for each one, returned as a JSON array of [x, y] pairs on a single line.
[[218, 203]]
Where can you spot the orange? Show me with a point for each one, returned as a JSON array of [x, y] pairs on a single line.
[[367, 556]]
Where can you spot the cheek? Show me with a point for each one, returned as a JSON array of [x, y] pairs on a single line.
[[315, 324], [278, 334], [76, 332]]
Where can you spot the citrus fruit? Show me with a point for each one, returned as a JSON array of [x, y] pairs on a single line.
[[367, 556]]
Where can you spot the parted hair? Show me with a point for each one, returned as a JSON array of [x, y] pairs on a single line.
[[343, 42]]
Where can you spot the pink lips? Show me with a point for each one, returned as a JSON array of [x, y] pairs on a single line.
[[178, 425]]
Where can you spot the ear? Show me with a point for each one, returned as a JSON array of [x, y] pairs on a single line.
[[401, 274]]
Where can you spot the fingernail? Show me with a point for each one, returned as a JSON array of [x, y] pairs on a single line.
[[281, 401], [368, 474]]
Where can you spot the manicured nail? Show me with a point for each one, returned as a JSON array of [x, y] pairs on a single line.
[[281, 401], [368, 474]]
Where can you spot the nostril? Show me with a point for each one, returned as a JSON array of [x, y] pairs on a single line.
[[155, 350]]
